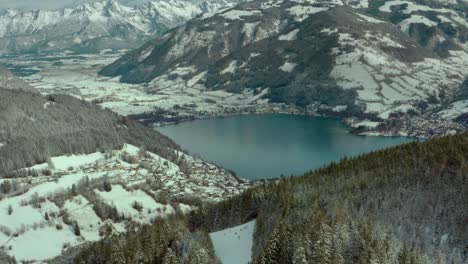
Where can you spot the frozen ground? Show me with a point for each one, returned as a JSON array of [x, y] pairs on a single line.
[[234, 245]]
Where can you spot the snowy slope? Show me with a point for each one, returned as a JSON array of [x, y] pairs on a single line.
[[46, 207], [93, 26], [234, 245]]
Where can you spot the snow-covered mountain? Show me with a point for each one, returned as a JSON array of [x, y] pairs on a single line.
[[379, 57], [94, 26]]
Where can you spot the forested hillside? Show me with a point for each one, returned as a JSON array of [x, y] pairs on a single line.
[[165, 242], [9, 81], [407, 204], [72, 172], [34, 128]]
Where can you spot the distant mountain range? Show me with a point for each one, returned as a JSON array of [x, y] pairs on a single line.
[[379, 57], [94, 26]]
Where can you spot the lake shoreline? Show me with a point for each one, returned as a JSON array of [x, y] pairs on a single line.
[[142, 103], [271, 146], [407, 126]]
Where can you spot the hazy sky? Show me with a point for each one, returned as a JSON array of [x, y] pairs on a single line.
[[52, 4], [35, 4]]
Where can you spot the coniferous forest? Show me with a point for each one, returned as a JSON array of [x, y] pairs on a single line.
[[165, 242], [36, 127], [406, 205]]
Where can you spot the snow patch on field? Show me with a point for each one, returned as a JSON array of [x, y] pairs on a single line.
[[41, 244], [370, 19], [74, 161], [271, 3], [82, 211], [124, 200], [329, 31], [231, 68], [20, 217], [415, 19], [456, 109], [234, 245], [63, 163], [411, 7], [301, 12], [249, 30], [289, 36], [211, 14], [238, 14], [288, 66], [370, 124], [145, 54]]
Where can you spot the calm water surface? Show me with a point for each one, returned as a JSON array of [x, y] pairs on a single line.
[[268, 146]]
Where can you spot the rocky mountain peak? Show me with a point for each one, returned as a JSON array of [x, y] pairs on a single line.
[[92, 26]]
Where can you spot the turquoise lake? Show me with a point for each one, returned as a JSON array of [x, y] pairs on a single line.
[[271, 145]]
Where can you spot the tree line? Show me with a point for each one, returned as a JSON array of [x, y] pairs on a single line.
[[34, 128], [167, 241], [406, 204]]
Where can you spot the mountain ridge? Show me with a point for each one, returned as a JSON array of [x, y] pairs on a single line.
[[93, 26], [382, 59]]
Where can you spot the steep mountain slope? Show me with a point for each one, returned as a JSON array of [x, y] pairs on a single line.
[[93, 26], [373, 58], [71, 172]]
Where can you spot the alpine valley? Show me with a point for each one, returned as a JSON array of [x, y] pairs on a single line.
[[400, 64], [86, 178]]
